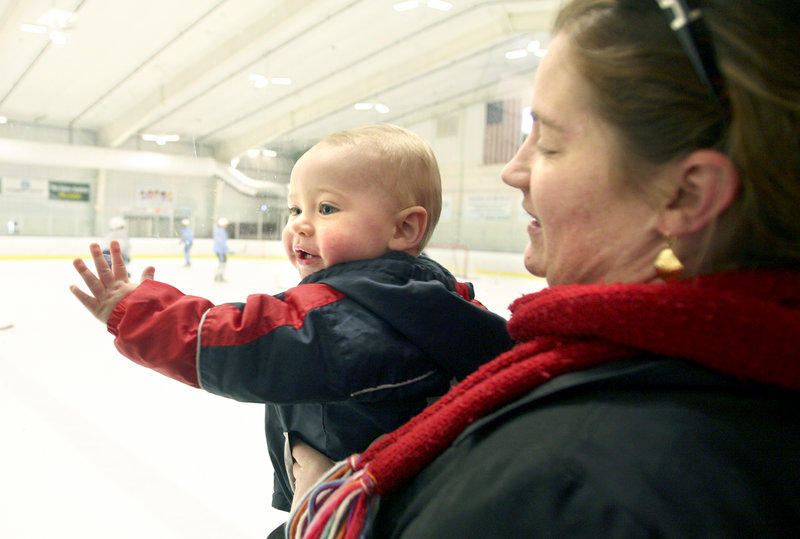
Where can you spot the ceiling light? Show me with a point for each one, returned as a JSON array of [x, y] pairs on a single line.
[[541, 53], [259, 81], [269, 153], [380, 107], [517, 54], [57, 18], [58, 38], [362, 106], [253, 152], [234, 162], [406, 6], [3, 120], [282, 81], [534, 45], [440, 5], [160, 139], [33, 28]]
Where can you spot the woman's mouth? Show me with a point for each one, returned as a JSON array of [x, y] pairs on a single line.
[[534, 226]]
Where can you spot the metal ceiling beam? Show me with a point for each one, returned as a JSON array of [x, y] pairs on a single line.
[[205, 74], [410, 67]]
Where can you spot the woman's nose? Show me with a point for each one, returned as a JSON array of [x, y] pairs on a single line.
[[517, 172]]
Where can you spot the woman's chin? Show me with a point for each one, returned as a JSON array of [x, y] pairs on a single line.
[[531, 262]]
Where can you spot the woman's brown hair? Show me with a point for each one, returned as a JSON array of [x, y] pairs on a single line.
[[647, 89]]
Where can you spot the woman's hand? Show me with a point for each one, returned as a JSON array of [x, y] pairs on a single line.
[[309, 466], [110, 286]]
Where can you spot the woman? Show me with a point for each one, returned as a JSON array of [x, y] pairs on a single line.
[[642, 398]]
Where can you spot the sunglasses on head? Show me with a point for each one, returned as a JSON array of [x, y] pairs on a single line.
[[686, 20]]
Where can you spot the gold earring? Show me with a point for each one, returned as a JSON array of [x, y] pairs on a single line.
[[668, 267]]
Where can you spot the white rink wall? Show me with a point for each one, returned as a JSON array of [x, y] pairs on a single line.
[[37, 247]]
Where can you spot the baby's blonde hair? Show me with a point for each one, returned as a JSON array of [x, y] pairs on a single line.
[[408, 167]]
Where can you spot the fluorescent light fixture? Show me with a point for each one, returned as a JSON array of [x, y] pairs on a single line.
[[440, 5], [3, 120], [33, 28], [259, 81], [269, 153], [362, 106], [517, 54], [281, 81], [160, 139], [58, 38], [253, 152], [406, 6], [380, 107], [541, 53], [57, 18]]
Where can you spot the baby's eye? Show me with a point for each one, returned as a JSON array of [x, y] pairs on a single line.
[[327, 209], [294, 211]]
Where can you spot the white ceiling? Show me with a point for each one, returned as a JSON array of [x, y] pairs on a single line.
[[183, 66]]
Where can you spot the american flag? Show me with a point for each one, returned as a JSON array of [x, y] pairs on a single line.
[[503, 134]]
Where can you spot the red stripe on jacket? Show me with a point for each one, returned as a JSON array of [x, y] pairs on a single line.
[[155, 305], [229, 326]]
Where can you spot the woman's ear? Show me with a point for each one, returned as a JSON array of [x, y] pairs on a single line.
[[409, 229], [708, 183]]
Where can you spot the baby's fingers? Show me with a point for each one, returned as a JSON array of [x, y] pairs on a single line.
[[148, 273], [88, 277], [118, 269], [104, 273], [88, 301]]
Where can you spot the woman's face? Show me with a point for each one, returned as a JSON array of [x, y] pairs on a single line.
[[585, 228]]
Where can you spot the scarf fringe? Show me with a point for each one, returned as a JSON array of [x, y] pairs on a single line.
[[338, 507]]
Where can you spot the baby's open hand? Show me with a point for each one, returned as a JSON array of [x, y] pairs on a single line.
[[110, 286]]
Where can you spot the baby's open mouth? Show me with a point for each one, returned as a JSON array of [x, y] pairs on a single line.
[[303, 255]]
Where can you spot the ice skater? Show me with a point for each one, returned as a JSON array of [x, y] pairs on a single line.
[[221, 248], [187, 239]]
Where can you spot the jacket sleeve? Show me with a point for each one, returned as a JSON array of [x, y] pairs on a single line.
[[156, 326], [316, 345], [308, 344]]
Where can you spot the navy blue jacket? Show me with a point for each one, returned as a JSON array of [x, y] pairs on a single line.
[[350, 353], [651, 447]]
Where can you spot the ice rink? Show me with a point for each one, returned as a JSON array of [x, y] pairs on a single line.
[[95, 446]]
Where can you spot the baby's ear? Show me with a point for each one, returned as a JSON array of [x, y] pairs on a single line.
[[409, 229]]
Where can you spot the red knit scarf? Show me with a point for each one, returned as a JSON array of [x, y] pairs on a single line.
[[745, 324]]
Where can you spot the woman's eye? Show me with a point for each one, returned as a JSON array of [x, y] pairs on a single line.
[[544, 151], [326, 209]]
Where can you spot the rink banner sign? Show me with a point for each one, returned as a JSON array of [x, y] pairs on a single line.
[[76, 192], [23, 187], [156, 198], [487, 207]]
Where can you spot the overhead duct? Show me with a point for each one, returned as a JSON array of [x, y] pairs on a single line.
[[93, 157]]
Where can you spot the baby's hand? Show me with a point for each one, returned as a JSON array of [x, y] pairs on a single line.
[[309, 466], [111, 284]]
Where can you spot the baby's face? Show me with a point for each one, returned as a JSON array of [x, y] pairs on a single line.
[[338, 211]]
